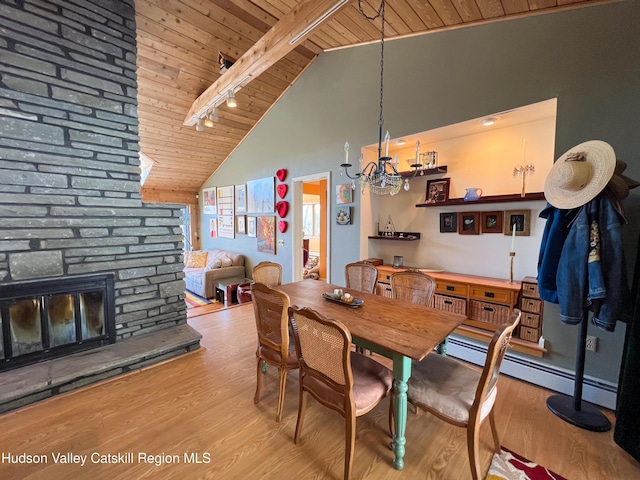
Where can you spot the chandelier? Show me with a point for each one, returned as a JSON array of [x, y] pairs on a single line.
[[383, 177]]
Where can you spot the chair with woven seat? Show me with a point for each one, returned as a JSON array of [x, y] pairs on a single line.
[[361, 276], [412, 287], [269, 273], [347, 382], [271, 308], [461, 395]]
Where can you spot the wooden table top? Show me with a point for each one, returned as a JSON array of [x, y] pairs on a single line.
[[401, 327]]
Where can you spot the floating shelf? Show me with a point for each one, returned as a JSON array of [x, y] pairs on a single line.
[[406, 236], [425, 172], [516, 197]]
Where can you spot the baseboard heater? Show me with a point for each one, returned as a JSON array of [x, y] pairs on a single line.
[[558, 379]]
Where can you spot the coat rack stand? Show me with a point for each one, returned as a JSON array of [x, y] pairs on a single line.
[[573, 409]]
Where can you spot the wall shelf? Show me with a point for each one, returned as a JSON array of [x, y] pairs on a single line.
[[406, 236], [425, 172], [516, 197]]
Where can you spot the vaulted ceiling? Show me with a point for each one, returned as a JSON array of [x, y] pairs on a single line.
[[178, 47]]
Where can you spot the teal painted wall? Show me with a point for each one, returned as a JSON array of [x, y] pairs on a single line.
[[587, 58]]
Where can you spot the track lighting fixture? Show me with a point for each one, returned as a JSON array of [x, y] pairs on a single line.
[[231, 99]]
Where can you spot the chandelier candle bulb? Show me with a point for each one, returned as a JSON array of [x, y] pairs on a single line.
[[417, 152], [386, 144], [346, 152]]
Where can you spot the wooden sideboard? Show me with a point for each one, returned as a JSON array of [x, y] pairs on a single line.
[[487, 302]]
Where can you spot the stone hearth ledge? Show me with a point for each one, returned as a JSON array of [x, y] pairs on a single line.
[[29, 384]]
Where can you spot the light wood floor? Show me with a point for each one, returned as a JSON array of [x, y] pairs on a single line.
[[203, 403]]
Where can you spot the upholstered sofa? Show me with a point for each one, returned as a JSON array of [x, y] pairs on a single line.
[[204, 269]]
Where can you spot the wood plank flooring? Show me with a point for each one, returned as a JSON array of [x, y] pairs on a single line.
[[202, 403]]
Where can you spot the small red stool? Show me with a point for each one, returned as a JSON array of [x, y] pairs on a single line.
[[244, 293]]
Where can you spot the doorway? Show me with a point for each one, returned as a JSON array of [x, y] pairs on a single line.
[[311, 227]]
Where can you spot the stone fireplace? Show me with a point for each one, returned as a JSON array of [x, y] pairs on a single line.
[[70, 204], [41, 320]]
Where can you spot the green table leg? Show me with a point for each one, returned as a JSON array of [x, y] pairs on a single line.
[[401, 373], [442, 348]]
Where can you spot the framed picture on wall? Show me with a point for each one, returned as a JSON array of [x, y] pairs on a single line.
[[209, 200], [241, 198], [521, 219], [261, 195], [266, 233], [491, 222], [437, 190], [448, 222], [241, 224], [251, 226], [469, 223]]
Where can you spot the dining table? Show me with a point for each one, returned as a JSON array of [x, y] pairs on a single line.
[[399, 330]]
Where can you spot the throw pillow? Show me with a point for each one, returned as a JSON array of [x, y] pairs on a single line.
[[197, 259], [227, 262], [213, 264]]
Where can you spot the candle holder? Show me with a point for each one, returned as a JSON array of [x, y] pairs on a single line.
[[512, 256]]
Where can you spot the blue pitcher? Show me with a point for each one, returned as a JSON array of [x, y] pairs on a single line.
[[472, 194]]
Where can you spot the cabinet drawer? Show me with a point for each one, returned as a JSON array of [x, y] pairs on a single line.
[[384, 290], [494, 295], [488, 312], [451, 288], [531, 305], [530, 290], [530, 319], [528, 333], [450, 304]]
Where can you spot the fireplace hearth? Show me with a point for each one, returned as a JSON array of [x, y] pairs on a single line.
[[45, 319]]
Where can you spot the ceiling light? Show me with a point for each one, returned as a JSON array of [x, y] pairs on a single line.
[[231, 99], [207, 120], [200, 125], [317, 22], [487, 122], [382, 177], [213, 115], [400, 142]]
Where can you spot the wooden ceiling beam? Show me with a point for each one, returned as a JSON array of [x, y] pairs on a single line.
[[272, 47]]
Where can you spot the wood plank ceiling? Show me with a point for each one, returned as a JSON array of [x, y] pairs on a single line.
[[178, 46]]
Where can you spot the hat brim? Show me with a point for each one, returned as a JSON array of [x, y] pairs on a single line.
[[602, 158]]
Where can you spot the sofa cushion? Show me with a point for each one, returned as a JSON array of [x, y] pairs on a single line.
[[197, 259]]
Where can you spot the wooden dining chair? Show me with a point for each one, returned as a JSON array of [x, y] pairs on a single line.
[[269, 273], [413, 287], [461, 395], [361, 276], [347, 382], [271, 308]]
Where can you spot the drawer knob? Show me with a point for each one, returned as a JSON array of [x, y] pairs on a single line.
[[451, 288], [489, 294]]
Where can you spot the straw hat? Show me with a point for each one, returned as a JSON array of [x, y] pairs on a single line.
[[580, 174]]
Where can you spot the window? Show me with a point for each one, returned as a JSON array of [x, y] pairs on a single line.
[[311, 219], [186, 228]]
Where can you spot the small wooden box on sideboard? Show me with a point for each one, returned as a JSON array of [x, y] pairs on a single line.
[[487, 303], [532, 307]]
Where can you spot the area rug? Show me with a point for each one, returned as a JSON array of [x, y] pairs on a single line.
[[194, 300], [508, 465]]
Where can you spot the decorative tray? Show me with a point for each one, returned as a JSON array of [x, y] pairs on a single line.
[[357, 302]]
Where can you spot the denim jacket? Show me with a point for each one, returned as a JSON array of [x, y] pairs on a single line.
[[592, 271], [555, 233]]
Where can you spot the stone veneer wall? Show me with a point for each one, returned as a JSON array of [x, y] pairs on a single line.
[[69, 165]]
